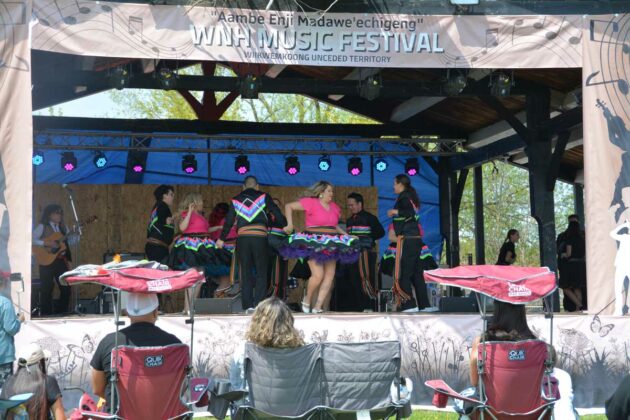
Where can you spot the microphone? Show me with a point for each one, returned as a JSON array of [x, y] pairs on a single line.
[[65, 186]]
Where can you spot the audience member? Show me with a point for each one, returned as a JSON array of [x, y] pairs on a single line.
[[573, 265], [271, 326], [143, 313], [562, 408], [567, 303], [9, 326], [31, 377], [508, 323], [618, 405]]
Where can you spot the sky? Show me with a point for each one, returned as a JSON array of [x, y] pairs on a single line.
[[97, 105]]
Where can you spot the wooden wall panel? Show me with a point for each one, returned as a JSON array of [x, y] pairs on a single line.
[[123, 212]]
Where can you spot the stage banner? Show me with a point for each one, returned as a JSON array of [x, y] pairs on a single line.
[[332, 39], [593, 349], [16, 148], [607, 161]]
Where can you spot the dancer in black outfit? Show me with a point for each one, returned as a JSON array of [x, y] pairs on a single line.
[[52, 222], [408, 270], [250, 209], [160, 229], [279, 267], [359, 290]]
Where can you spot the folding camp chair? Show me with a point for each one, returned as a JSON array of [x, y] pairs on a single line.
[[151, 383], [334, 380], [514, 381], [514, 376], [7, 405]]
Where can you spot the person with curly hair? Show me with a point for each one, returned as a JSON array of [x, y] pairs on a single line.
[[271, 327]]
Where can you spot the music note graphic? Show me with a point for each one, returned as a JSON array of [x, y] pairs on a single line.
[[622, 85], [553, 34], [68, 20], [517, 22], [492, 39], [540, 24], [84, 10], [134, 23], [592, 25], [107, 9]]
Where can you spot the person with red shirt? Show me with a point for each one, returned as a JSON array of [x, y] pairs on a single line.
[[323, 243]]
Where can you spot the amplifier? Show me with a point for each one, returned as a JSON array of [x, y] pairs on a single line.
[[231, 305], [124, 256], [458, 304]]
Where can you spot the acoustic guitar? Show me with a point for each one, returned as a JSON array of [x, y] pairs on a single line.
[[46, 255]]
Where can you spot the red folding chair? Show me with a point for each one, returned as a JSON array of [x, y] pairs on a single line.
[[512, 374], [151, 383]]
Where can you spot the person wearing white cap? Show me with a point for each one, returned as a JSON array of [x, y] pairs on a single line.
[[142, 309], [30, 377]]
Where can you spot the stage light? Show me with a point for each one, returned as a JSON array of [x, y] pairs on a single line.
[[324, 163], [100, 160], [412, 167], [455, 83], [250, 85], [355, 166], [380, 165], [167, 78], [138, 164], [241, 165], [501, 85], [292, 165], [370, 89], [38, 157], [189, 164], [68, 161], [464, 2], [119, 78]]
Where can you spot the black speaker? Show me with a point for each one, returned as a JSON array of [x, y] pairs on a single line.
[[458, 304]]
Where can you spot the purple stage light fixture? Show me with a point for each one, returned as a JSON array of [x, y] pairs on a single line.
[[241, 165], [355, 166], [292, 165], [68, 161], [189, 164], [412, 167]]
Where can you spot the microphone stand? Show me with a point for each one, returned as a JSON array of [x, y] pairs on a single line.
[[78, 232]]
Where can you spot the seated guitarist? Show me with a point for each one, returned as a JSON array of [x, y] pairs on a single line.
[[50, 223]]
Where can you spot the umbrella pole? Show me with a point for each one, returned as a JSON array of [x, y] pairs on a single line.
[[190, 296], [114, 376], [480, 363]]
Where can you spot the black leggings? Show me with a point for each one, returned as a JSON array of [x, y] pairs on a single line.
[[411, 274], [252, 252], [49, 275]]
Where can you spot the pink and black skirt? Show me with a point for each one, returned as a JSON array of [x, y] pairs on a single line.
[[198, 250], [322, 244]]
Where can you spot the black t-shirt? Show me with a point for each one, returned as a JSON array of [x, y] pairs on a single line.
[[158, 227], [139, 334], [618, 405], [578, 246], [507, 246]]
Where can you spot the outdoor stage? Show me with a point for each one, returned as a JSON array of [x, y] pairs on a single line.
[[595, 350]]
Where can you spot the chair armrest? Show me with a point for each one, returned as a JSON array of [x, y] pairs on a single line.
[[441, 388], [199, 391], [78, 414]]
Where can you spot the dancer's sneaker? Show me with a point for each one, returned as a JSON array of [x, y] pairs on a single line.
[[430, 309], [411, 310]]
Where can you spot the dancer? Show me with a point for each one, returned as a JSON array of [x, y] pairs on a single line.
[[409, 244], [221, 273], [278, 269], [250, 208], [323, 242], [573, 265], [160, 230], [507, 253], [622, 267], [359, 290], [50, 223]]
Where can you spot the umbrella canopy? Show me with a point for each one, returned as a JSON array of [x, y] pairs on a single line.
[[139, 280], [518, 285]]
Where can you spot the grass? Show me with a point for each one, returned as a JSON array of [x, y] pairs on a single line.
[[443, 415]]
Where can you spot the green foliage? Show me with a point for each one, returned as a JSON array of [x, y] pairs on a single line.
[[506, 206]]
